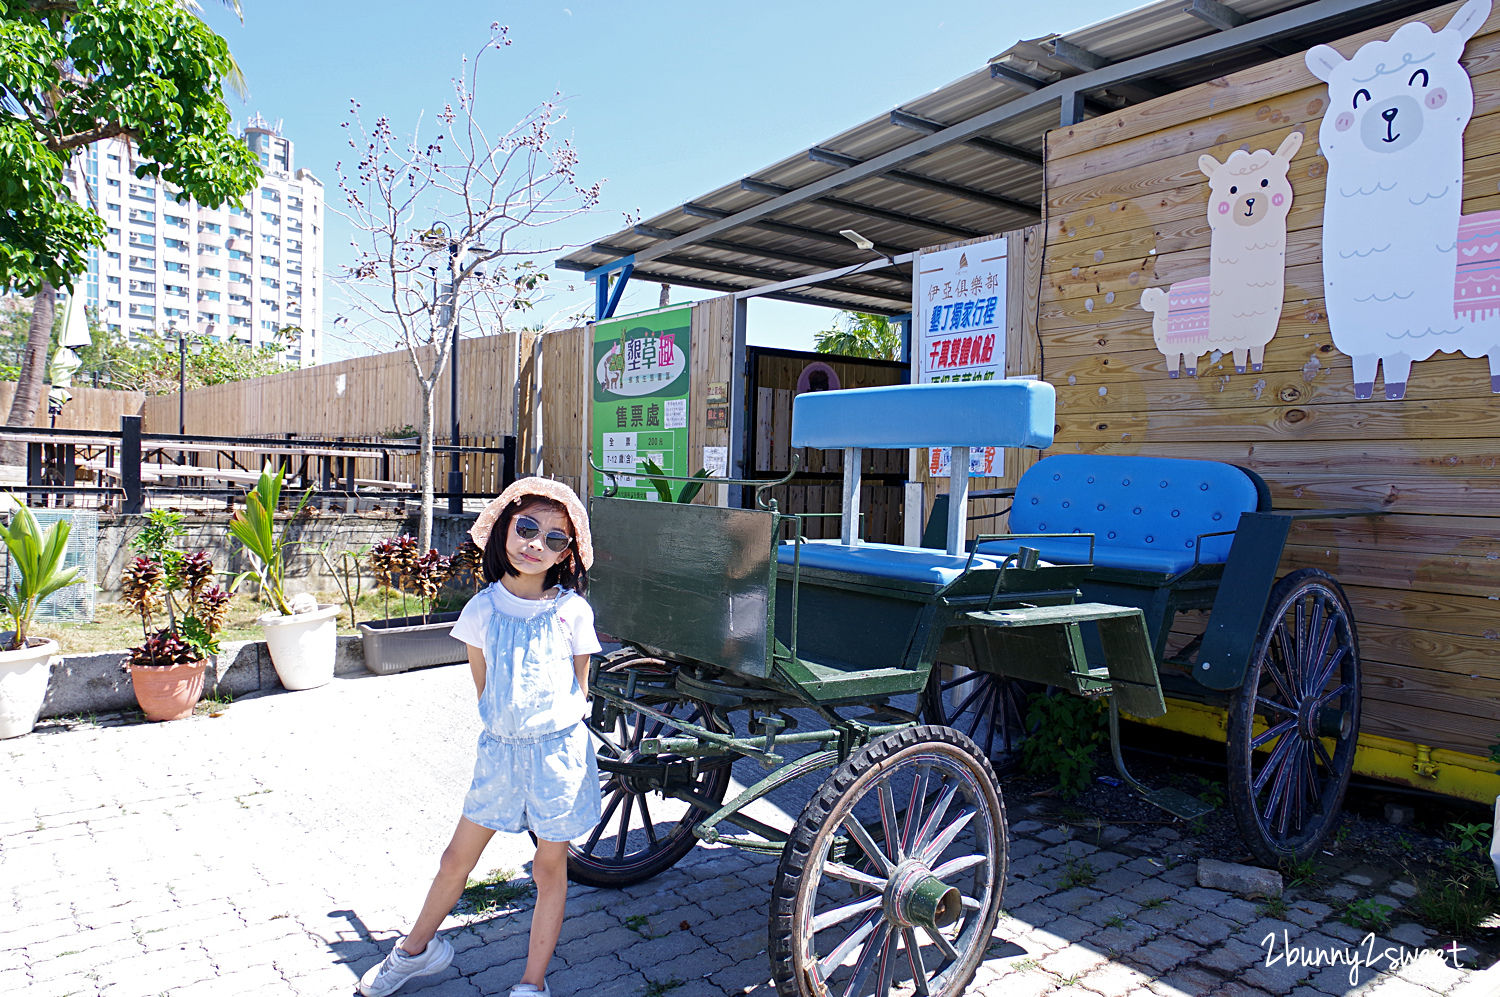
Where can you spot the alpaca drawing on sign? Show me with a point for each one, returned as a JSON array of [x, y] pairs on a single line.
[[1237, 307], [1404, 276]]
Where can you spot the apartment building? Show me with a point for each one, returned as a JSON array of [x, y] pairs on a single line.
[[240, 272]]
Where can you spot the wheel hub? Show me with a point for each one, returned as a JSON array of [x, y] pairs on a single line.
[[915, 897], [636, 772]]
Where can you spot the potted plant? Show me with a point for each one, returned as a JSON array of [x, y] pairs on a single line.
[[26, 661], [301, 633], [166, 669], [395, 644]]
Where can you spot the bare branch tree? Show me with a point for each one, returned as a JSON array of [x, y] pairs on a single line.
[[447, 231]]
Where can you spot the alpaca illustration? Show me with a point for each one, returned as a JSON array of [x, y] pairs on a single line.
[[1404, 276], [1237, 306]]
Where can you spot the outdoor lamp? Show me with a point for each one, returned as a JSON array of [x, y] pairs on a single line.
[[856, 238]]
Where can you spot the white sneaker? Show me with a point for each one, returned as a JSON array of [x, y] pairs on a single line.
[[530, 990], [398, 967]]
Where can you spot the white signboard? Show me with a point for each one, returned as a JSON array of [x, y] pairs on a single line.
[[959, 318]]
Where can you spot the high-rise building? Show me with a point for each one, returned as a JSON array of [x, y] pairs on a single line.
[[241, 272]]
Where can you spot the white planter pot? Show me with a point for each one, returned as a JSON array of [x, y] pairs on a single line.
[[23, 685], [302, 646]]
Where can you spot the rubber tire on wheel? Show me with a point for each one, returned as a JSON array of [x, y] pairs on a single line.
[[661, 852], [1303, 677], [887, 762], [992, 710]]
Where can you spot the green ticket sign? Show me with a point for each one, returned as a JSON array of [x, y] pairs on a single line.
[[640, 376]]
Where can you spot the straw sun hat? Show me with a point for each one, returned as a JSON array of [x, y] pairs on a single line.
[[541, 488]]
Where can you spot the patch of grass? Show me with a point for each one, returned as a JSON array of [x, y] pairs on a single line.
[[1155, 903], [1077, 872], [1299, 873], [1367, 915], [1211, 793], [1273, 907], [1115, 921], [659, 988], [496, 892], [1027, 964], [639, 923], [1462, 894], [213, 705]]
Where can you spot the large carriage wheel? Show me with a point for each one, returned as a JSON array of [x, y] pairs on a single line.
[[1294, 724], [642, 830], [989, 708], [892, 877]]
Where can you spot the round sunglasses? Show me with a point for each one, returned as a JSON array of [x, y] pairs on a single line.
[[556, 540]]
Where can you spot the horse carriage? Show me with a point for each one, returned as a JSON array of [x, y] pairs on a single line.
[[742, 640]]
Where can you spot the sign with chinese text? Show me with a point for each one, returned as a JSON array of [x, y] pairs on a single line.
[[959, 321], [640, 367]]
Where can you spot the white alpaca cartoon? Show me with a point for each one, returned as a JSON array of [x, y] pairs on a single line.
[[1395, 287], [1237, 306]]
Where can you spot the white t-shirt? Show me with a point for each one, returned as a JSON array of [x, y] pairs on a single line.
[[573, 611]]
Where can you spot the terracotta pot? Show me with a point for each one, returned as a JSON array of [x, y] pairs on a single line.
[[168, 692]]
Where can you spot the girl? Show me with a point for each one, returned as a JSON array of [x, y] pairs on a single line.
[[530, 634]]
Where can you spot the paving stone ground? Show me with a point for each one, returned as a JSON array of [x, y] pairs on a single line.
[[282, 848]]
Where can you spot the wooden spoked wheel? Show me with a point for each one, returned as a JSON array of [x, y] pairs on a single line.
[[1294, 725], [645, 829], [892, 878], [990, 709]]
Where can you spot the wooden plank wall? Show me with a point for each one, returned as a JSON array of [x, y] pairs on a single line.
[[89, 408], [1023, 273], [711, 359], [775, 386], [1126, 210], [363, 398], [561, 408]]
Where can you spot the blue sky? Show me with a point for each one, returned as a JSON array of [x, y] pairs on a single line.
[[665, 101]]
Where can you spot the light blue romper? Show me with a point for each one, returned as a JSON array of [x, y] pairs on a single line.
[[535, 766]]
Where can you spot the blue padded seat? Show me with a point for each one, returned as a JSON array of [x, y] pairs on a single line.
[[912, 564], [1146, 513]]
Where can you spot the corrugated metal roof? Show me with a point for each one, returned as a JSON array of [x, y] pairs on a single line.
[[959, 162]]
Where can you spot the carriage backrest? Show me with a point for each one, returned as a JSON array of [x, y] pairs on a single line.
[[691, 580]]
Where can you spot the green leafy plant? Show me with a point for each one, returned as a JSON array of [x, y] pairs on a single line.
[[38, 555], [658, 479], [255, 527], [1367, 915], [164, 579], [1067, 733]]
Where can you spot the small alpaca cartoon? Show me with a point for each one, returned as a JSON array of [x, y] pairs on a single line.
[[614, 367], [1404, 276], [1237, 306]]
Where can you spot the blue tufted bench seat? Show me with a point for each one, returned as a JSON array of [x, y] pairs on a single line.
[[908, 564], [1147, 514]]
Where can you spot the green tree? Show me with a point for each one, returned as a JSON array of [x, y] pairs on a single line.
[[73, 72], [859, 334]]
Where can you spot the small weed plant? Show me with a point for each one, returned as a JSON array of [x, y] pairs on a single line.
[[1299, 872], [1077, 872], [496, 892], [1462, 893], [1367, 915], [1273, 907], [1069, 731]]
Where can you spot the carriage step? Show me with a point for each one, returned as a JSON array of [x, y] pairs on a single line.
[[1178, 803], [1041, 616]]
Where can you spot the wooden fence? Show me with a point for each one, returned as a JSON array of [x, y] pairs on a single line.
[[89, 408], [1126, 210]]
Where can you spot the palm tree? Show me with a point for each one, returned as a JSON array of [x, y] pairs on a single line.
[[860, 334]]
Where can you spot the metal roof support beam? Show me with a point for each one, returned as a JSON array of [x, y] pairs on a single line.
[[1319, 14], [830, 278], [781, 228], [825, 278], [1071, 111], [801, 299], [832, 158], [605, 302], [1077, 55], [1223, 17], [1031, 85], [854, 207], [927, 126]]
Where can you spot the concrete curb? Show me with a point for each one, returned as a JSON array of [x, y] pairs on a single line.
[[81, 684]]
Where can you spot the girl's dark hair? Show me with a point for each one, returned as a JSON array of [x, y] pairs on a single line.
[[568, 573]]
